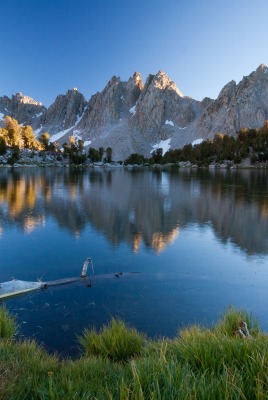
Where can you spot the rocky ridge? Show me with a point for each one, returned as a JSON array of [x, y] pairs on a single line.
[[23, 108], [64, 113], [132, 117]]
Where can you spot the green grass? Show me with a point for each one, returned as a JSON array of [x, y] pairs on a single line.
[[120, 363], [115, 341], [7, 324]]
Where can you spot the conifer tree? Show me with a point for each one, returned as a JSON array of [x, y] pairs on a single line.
[[29, 138], [13, 132], [44, 140]]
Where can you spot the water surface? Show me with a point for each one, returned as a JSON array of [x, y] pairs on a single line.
[[198, 239]]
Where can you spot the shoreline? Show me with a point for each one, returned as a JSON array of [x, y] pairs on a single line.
[[227, 361], [180, 165]]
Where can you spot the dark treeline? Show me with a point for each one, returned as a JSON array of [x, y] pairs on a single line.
[[248, 143]]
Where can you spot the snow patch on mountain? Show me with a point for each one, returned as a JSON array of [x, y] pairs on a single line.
[[132, 110], [59, 135], [39, 115], [163, 144], [76, 134], [169, 123], [78, 119], [197, 141], [37, 131]]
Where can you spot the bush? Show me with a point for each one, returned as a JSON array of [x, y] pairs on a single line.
[[15, 155], [233, 319], [3, 147], [115, 341], [7, 325], [135, 158]]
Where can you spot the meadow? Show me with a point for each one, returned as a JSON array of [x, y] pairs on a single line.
[[227, 361]]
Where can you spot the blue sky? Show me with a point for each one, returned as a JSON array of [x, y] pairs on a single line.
[[50, 46]]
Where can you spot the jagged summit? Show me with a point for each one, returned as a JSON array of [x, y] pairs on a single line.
[[261, 67], [64, 112], [26, 110], [227, 91], [132, 117], [137, 79], [162, 81], [25, 99]]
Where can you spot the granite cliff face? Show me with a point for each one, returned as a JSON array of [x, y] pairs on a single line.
[[238, 105], [105, 119], [106, 109], [64, 113], [131, 117], [166, 106], [23, 108]]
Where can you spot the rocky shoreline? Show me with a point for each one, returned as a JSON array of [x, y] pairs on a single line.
[[29, 158]]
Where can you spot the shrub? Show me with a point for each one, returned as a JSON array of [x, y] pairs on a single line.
[[7, 325], [232, 320], [3, 147], [115, 341]]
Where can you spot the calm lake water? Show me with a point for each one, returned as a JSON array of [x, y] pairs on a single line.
[[199, 240]]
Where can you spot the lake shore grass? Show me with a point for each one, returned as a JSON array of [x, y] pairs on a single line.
[[227, 361]]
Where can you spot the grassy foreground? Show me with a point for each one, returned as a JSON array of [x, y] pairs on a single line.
[[224, 362]]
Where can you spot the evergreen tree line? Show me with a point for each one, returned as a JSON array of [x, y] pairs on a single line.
[[249, 143], [14, 136]]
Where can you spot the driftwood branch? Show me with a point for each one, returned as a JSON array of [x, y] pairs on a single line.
[[243, 331]]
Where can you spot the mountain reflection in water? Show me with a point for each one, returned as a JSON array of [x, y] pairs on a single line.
[[199, 239], [138, 206]]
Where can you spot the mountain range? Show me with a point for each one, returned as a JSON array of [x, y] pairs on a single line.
[[137, 117]]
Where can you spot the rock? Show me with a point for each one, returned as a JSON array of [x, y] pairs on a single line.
[[64, 113], [131, 117], [159, 102], [23, 108], [237, 106]]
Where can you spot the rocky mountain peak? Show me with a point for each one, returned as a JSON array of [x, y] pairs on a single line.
[[261, 68], [64, 112], [160, 107], [237, 106], [105, 108], [72, 92], [132, 117], [257, 78], [163, 82], [227, 92], [23, 108], [20, 98], [137, 79], [115, 80], [131, 91]]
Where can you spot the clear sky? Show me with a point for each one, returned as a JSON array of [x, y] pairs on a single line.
[[50, 46]]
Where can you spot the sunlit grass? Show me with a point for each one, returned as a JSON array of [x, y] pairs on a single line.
[[120, 363]]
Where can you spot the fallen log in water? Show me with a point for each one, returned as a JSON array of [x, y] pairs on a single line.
[[17, 287]]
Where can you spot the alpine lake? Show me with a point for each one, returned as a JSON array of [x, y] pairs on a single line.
[[195, 240]]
